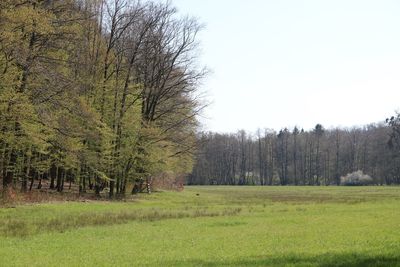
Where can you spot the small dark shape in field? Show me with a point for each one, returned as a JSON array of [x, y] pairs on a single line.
[[228, 224]]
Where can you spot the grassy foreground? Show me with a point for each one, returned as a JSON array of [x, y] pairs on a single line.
[[211, 226]]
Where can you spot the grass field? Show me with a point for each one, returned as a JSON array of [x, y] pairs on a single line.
[[211, 226]]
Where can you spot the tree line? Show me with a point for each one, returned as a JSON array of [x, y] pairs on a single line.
[[96, 93], [298, 157]]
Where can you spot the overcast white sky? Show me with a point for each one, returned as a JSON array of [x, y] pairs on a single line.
[[298, 62]]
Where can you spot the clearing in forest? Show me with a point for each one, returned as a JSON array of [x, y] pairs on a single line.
[[210, 226]]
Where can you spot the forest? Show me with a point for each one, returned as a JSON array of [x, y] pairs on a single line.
[[97, 95], [297, 157]]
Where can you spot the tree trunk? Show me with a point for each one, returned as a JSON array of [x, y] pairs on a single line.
[[53, 176], [63, 180], [32, 181], [9, 172], [40, 181], [59, 179]]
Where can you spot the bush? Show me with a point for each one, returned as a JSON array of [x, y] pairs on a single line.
[[168, 181], [356, 178]]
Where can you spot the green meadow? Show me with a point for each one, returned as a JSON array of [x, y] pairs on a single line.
[[210, 226]]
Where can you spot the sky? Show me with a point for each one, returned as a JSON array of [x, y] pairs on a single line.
[[289, 63]]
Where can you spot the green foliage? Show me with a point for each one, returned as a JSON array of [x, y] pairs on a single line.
[[90, 102]]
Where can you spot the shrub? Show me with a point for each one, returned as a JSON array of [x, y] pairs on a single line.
[[168, 181], [356, 178]]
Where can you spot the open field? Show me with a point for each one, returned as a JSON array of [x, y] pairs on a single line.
[[210, 226]]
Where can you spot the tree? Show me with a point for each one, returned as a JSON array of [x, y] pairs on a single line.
[[295, 133], [318, 131], [96, 93]]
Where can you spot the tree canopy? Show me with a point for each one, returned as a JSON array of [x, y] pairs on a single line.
[[95, 92]]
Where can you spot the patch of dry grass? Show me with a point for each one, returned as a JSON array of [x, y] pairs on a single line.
[[21, 227]]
